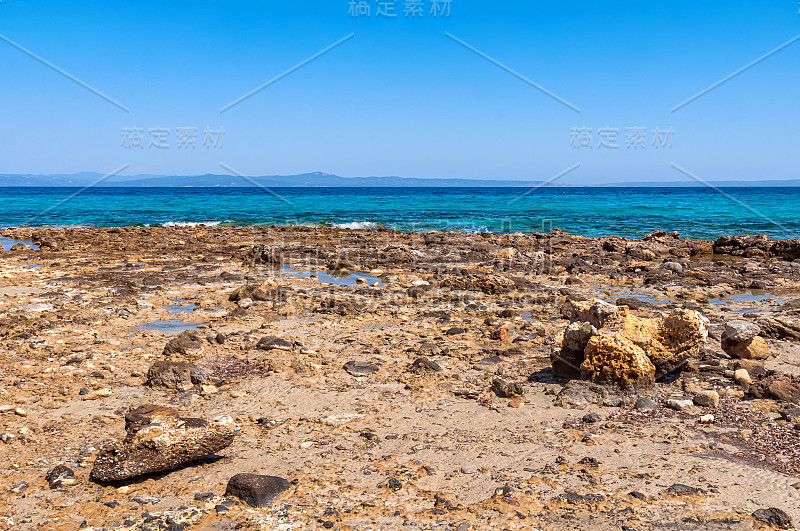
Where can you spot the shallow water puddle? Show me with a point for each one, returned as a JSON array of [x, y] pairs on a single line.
[[757, 298], [171, 327], [7, 243], [336, 278], [177, 308]]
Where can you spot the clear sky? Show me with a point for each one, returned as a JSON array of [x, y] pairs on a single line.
[[402, 96]]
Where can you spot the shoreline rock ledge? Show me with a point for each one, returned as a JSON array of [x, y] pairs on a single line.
[[158, 440]]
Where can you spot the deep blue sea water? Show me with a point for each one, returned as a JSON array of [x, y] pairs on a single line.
[[629, 212]]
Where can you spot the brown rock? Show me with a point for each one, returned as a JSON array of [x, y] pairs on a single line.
[[164, 444], [613, 359], [179, 375], [505, 389], [752, 349], [500, 334], [140, 417], [646, 349], [187, 344]]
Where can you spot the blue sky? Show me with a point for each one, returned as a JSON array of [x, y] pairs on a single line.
[[401, 97]]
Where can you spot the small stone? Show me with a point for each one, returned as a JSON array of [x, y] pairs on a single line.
[[706, 398], [83, 391], [499, 334], [178, 375], [706, 419], [468, 470], [742, 377], [505, 389], [112, 504], [740, 330], [360, 368], [60, 476], [591, 418], [144, 500], [674, 267], [187, 344], [516, 402], [203, 496], [98, 393], [679, 489], [395, 484], [424, 364], [21, 412], [221, 509], [680, 405], [255, 489], [774, 517], [19, 487], [208, 389], [645, 404], [274, 343], [245, 303]]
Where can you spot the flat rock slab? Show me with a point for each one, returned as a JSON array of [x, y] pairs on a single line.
[[164, 444], [360, 368], [255, 489]]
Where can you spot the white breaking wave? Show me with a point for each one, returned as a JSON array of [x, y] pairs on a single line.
[[355, 225], [190, 223]]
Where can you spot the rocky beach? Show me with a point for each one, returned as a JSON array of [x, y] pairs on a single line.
[[220, 378]]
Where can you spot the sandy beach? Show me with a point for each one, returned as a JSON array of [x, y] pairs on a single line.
[[423, 380]]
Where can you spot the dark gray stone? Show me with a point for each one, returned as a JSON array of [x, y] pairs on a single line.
[[255, 489], [774, 517]]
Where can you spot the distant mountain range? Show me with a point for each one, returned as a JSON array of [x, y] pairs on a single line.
[[318, 180]]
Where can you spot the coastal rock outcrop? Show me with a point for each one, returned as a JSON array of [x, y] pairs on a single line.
[[609, 345], [165, 443]]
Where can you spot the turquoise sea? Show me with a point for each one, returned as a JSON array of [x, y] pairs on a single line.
[[630, 212]]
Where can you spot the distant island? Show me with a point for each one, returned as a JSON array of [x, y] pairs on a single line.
[[320, 180]]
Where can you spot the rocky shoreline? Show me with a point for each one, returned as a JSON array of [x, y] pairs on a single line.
[[298, 378]]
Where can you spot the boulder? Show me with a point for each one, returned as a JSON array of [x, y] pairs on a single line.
[[609, 345], [166, 443], [741, 340], [567, 359], [614, 359], [178, 375], [187, 344]]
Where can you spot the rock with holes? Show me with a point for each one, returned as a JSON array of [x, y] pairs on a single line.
[[610, 345], [166, 443]]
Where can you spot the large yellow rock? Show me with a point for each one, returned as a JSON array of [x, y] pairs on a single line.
[[614, 359], [625, 349]]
